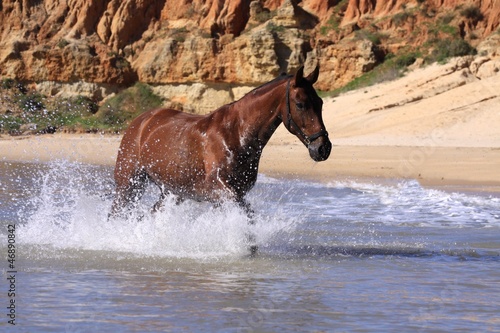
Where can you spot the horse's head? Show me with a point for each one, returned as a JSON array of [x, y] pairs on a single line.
[[302, 115]]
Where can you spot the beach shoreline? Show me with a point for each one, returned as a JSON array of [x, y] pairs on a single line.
[[473, 168]]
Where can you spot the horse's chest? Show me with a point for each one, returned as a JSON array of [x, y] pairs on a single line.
[[242, 170]]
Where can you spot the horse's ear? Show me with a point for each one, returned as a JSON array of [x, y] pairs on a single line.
[[299, 76], [313, 77]]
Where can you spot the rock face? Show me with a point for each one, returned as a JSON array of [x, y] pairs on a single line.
[[113, 43]]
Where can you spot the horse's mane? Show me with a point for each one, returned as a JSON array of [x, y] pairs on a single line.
[[280, 78], [260, 88]]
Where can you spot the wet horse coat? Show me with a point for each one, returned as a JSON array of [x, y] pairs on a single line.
[[216, 157]]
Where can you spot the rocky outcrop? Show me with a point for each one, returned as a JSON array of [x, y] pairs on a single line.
[[114, 43], [344, 61], [487, 23]]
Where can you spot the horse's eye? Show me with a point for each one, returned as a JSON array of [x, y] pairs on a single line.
[[299, 105]]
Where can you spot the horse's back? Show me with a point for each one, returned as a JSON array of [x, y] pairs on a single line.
[[157, 119], [160, 117], [136, 134]]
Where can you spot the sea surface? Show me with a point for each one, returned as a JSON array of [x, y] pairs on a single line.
[[344, 256]]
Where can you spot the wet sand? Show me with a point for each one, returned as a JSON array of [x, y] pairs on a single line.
[[433, 166]]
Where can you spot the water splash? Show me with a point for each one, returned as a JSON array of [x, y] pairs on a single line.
[[71, 210]]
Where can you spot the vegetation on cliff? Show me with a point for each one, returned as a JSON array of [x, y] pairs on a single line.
[[28, 112]]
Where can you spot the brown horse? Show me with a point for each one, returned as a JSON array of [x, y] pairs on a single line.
[[216, 157]]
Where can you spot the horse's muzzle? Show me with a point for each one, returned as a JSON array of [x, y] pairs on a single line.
[[320, 149]]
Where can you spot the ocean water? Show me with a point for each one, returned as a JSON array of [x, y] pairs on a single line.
[[345, 256]]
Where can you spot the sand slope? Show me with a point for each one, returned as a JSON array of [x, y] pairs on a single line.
[[439, 105]]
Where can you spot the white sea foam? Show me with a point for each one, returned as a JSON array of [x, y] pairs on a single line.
[[408, 202], [71, 211]]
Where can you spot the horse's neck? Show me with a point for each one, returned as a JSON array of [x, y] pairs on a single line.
[[259, 114]]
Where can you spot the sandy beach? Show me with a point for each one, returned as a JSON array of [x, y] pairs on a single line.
[[436, 124], [430, 165]]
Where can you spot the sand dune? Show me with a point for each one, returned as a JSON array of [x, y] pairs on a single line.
[[439, 105], [439, 124]]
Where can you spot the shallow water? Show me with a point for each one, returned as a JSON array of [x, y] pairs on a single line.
[[345, 256]]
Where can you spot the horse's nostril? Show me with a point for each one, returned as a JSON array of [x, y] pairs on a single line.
[[325, 150], [322, 150]]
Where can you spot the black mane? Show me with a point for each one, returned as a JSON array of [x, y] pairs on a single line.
[[280, 78]]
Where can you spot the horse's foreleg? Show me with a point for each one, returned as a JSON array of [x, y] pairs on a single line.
[[245, 205], [128, 192], [119, 203], [159, 204]]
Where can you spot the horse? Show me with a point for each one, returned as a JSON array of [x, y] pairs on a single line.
[[215, 157]]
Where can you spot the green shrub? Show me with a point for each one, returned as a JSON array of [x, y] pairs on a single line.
[[446, 18], [333, 23], [447, 48], [119, 110], [400, 18], [448, 29], [264, 15], [387, 71], [50, 114], [374, 37], [31, 102], [180, 34], [62, 43], [86, 103], [393, 67], [273, 28], [472, 13], [10, 124], [69, 112], [8, 83], [120, 63], [406, 59], [442, 26]]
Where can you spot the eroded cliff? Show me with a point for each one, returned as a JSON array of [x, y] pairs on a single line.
[[94, 47]]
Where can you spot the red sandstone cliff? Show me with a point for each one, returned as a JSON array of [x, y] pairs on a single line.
[[117, 42]]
